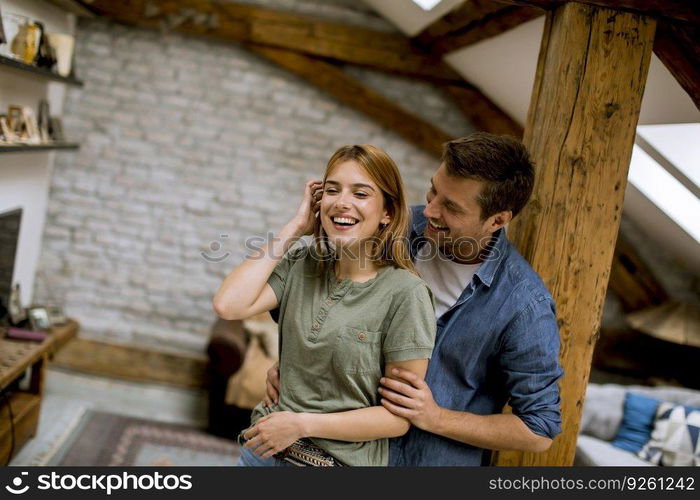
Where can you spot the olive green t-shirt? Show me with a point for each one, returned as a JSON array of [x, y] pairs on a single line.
[[336, 335]]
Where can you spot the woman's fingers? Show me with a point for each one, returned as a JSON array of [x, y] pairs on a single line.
[[312, 187], [253, 443], [250, 433], [263, 449]]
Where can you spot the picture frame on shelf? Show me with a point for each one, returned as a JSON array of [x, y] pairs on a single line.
[[56, 315], [31, 126], [38, 318], [16, 312], [6, 133], [14, 120]]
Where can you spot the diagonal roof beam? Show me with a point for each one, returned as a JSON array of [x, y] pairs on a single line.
[[333, 80], [678, 47], [482, 112], [259, 28], [472, 22], [236, 22]]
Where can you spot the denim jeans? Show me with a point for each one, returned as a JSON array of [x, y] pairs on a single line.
[[250, 459]]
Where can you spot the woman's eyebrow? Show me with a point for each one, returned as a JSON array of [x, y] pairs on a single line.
[[356, 185]]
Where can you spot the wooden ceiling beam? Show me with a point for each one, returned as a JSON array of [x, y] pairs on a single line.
[[632, 280], [482, 112], [678, 47], [675, 10], [259, 28], [236, 22], [471, 11], [346, 89], [474, 21]]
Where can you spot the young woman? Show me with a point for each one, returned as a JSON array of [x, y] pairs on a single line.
[[350, 309]]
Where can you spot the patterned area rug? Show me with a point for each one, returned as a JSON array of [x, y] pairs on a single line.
[[106, 439]]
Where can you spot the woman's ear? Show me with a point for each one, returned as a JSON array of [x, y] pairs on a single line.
[[386, 219]]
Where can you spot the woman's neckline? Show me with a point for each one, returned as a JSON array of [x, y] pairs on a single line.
[[358, 284]]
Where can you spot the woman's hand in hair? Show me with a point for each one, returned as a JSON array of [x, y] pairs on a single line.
[[305, 217], [274, 433]]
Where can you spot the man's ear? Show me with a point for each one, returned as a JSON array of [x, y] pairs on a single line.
[[497, 221]]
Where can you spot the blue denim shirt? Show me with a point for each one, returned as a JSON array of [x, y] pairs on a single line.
[[499, 343]]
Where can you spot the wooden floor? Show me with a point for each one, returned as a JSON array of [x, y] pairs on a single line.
[[68, 394]]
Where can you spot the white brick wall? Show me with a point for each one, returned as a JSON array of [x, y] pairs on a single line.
[[183, 141]]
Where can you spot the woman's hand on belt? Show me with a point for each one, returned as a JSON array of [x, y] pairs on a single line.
[[274, 433]]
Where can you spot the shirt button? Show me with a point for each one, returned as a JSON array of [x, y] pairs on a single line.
[[362, 336], [315, 325], [329, 302]]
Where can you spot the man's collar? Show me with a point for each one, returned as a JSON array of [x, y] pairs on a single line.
[[490, 265]]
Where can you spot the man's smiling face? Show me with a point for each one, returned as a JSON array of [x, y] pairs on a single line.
[[454, 216]]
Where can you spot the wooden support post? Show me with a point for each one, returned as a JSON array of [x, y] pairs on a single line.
[[580, 131]]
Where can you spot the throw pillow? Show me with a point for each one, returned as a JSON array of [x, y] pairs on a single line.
[[637, 422], [674, 440]]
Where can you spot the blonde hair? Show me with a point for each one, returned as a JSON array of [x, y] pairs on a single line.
[[390, 245]]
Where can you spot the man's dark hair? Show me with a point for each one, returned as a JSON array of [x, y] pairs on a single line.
[[501, 162]]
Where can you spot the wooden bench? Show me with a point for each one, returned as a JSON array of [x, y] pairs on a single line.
[[19, 419]]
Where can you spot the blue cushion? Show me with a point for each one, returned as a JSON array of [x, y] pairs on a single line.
[[637, 422]]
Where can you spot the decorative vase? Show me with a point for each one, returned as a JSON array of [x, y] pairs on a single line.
[[25, 44], [63, 46]]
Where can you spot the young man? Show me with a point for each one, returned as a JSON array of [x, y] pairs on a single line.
[[497, 336]]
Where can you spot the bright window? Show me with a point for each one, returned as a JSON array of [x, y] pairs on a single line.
[[679, 143], [662, 189], [426, 4]]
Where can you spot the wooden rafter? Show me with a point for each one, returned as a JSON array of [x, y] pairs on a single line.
[[676, 10], [72, 6], [259, 29], [351, 92], [632, 281], [471, 11], [236, 22], [482, 112], [678, 47], [472, 22]]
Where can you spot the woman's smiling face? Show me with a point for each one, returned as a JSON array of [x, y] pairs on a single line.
[[352, 206]]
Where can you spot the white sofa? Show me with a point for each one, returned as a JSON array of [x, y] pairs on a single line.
[[602, 415]]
